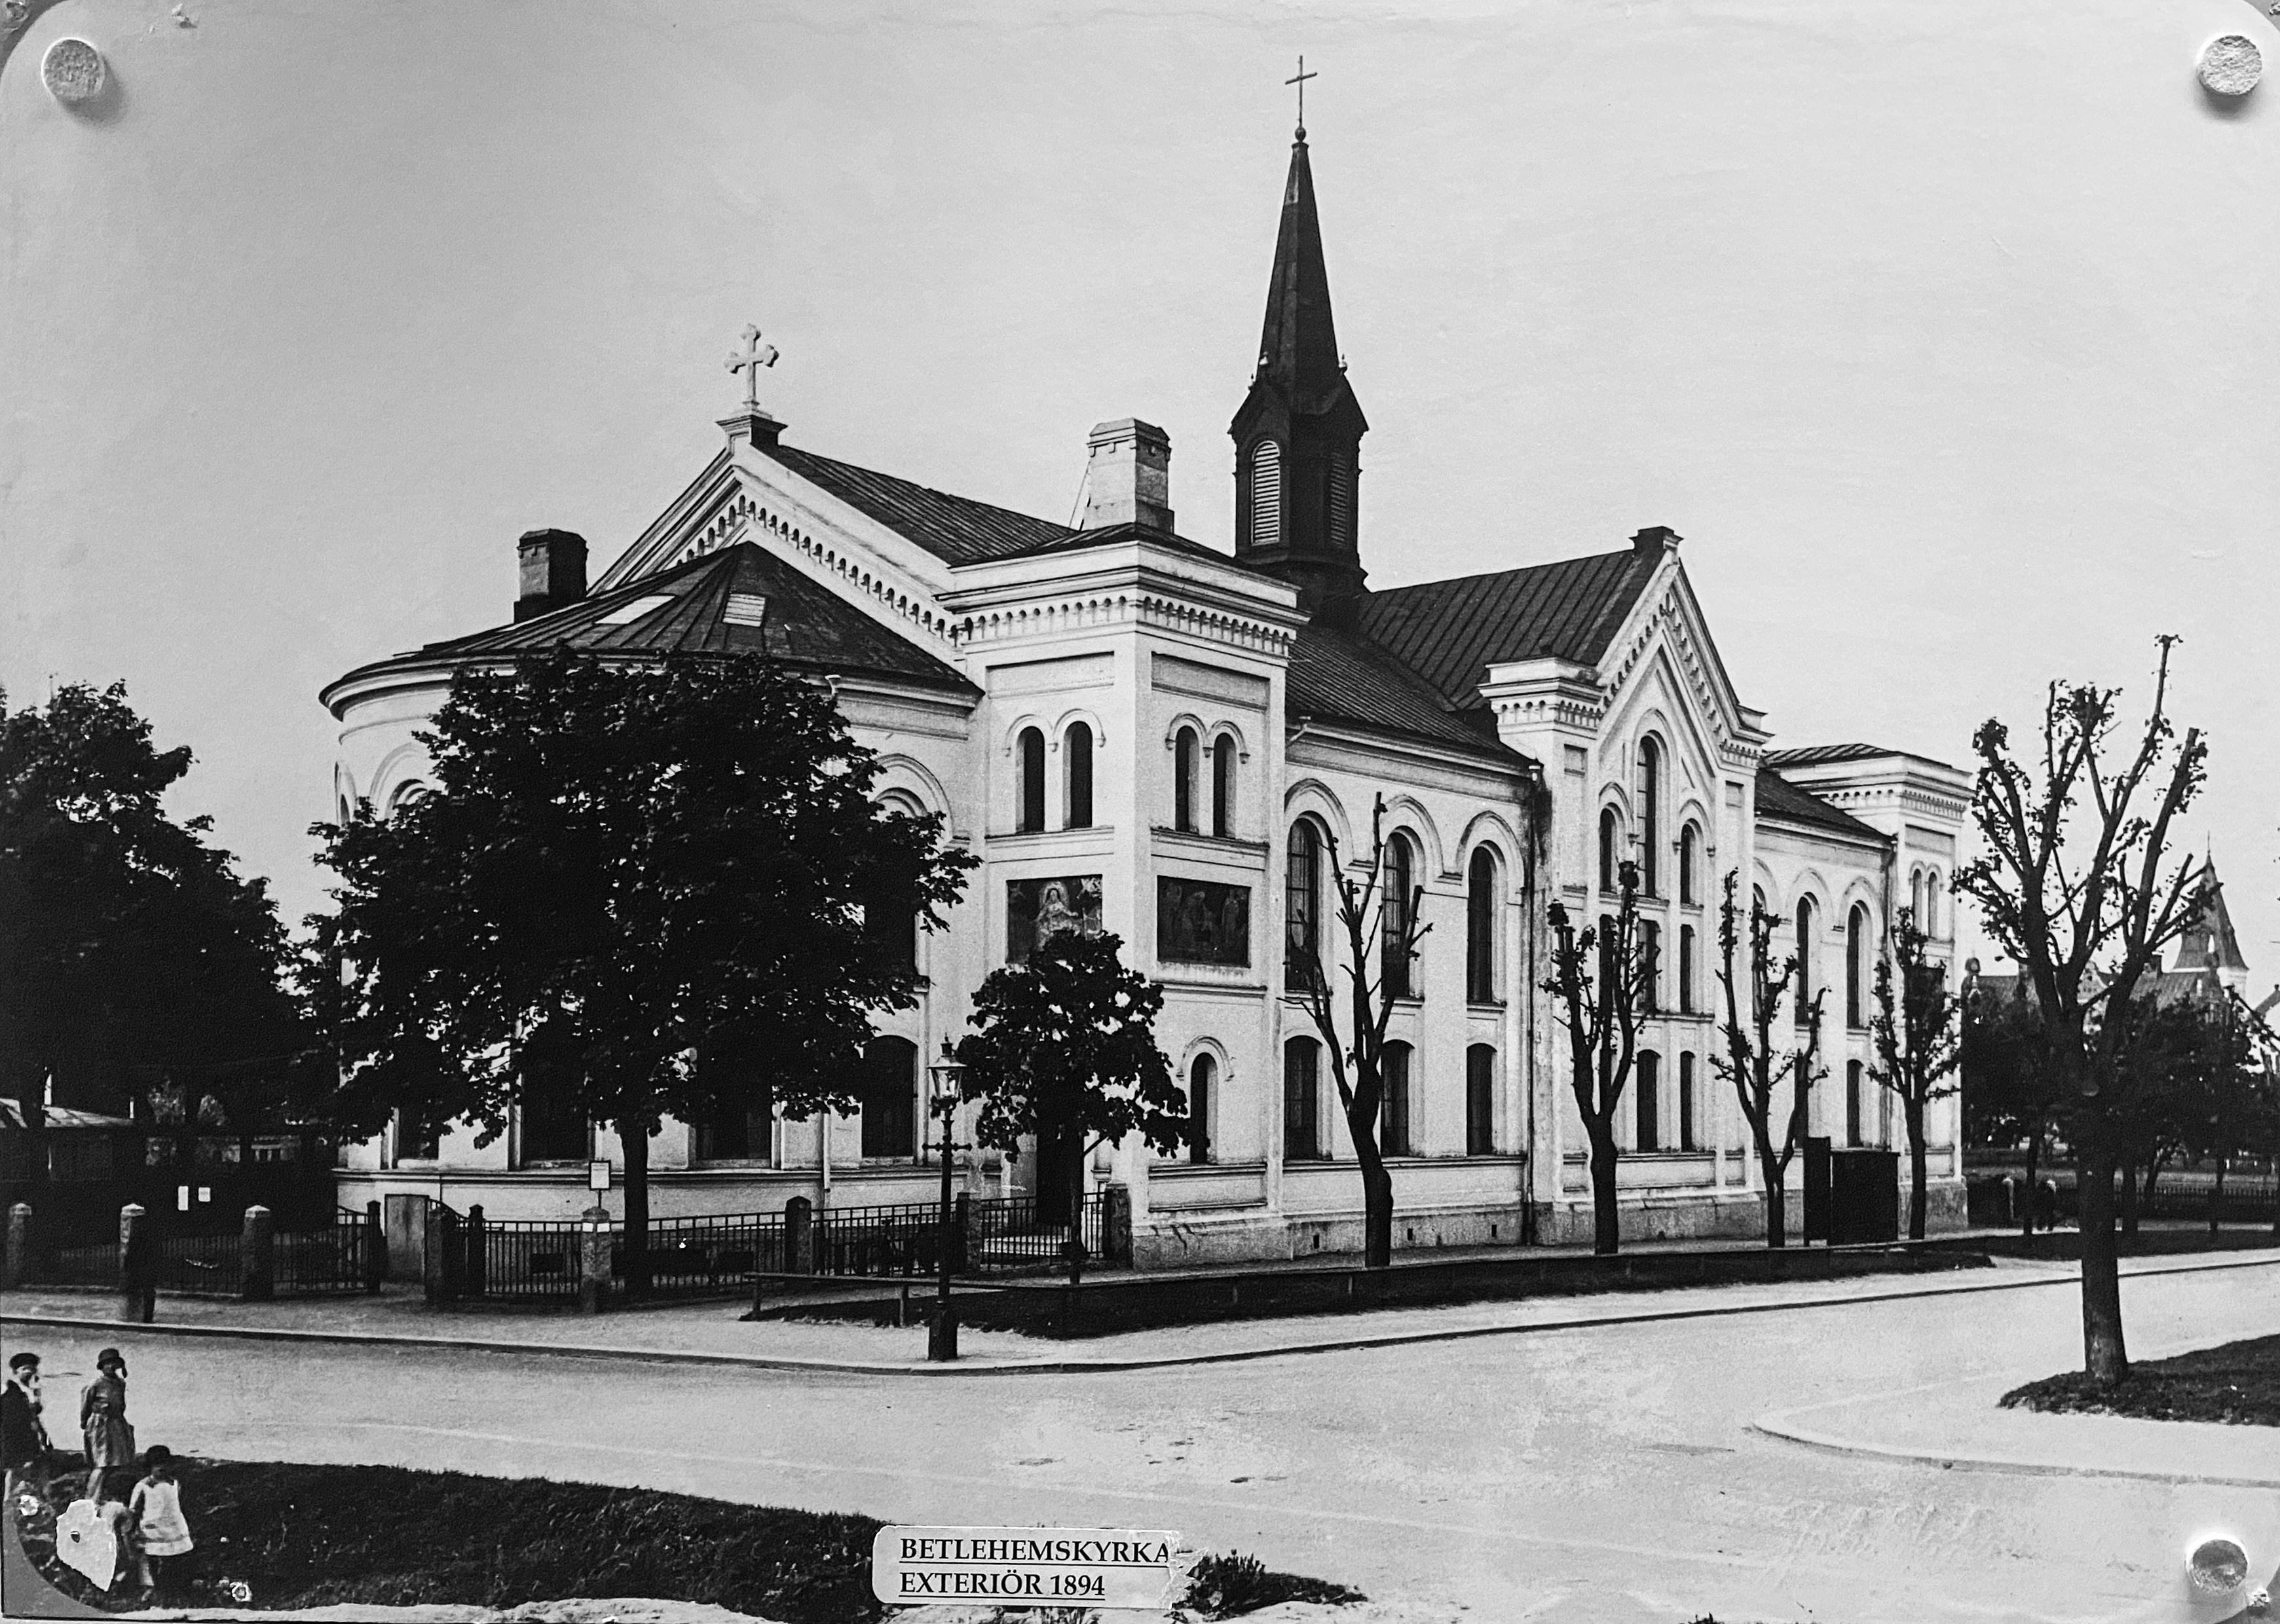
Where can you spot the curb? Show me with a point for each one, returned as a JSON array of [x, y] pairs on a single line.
[[1082, 1367], [1773, 1425]]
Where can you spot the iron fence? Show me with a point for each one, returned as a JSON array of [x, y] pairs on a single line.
[[195, 1264], [93, 1264], [711, 1256], [310, 1262], [530, 1260], [1012, 1233], [878, 1240]]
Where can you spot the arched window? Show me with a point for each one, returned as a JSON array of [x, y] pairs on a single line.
[[1479, 1100], [1651, 815], [1393, 1112], [1302, 905], [1929, 923], [1916, 900], [1265, 494], [1689, 863], [1686, 969], [1300, 1140], [1184, 780], [1223, 787], [1856, 967], [1852, 1080], [1393, 918], [891, 1098], [1805, 956], [1077, 745], [891, 922], [1607, 849], [1031, 790], [1480, 928], [1651, 964], [1203, 1076], [1650, 1100], [1686, 1126], [408, 793]]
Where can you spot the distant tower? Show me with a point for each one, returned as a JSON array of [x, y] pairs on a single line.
[[1297, 437], [2209, 946]]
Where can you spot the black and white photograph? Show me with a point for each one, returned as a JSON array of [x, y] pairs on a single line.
[[829, 811]]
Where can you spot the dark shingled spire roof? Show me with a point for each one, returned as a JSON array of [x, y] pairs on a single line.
[[2209, 944], [1298, 344]]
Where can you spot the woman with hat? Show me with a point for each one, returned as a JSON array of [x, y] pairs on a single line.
[[103, 1422]]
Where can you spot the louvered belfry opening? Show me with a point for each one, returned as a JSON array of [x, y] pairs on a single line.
[[1298, 434]]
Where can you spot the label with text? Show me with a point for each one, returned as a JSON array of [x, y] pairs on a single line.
[[1032, 1567]]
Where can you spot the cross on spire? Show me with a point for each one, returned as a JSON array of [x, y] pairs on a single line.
[[749, 361], [1299, 79]]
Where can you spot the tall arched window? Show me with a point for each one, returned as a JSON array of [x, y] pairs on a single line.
[[1480, 928], [1203, 1078], [1223, 787], [1650, 1100], [1852, 1102], [1930, 921], [1607, 849], [1479, 1100], [1689, 863], [1300, 1140], [1184, 780], [1916, 900], [891, 1098], [1686, 969], [1856, 967], [1651, 814], [1393, 1127], [1265, 494], [1302, 893], [1077, 744], [1687, 1130], [1393, 918], [1805, 958], [1031, 790], [1651, 964]]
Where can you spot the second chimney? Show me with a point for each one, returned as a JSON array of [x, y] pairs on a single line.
[[1128, 476], [552, 571]]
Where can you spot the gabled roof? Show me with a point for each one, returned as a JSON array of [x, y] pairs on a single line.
[[1338, 677], [1451, 632], [800, 622], [2210, 942], [1815, 755], [1784, 801], [955, 529]]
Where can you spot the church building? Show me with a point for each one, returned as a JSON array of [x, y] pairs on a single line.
[[1183, 741]]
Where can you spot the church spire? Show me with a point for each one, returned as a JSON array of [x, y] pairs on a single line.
[[1297, 436]]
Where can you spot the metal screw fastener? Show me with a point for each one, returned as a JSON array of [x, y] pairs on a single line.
[[2231, 65], [72, 71]]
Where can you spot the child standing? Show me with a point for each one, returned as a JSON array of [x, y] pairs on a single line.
[[161, 1531]]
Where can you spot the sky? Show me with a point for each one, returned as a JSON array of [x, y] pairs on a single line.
[[1937, 328]]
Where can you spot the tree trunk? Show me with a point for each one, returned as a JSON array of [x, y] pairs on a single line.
[[2216, 1197], [2105, 1358], [1606, 1231], [1377, 1202], [1912, 1110], [635, 1138], [2027, 1195], [2153, 1172], [1776, 1195], [2128, 1195], [1075, 1242]]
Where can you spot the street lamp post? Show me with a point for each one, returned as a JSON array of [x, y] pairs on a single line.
[[947, 1077]]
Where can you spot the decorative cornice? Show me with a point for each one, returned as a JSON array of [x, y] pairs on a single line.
[[1129, 606]]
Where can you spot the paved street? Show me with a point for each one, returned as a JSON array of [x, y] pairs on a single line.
[[1598, 1473]]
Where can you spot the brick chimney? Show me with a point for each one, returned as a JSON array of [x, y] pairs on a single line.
[[553, 571], [1655, 539], [1128, 476]]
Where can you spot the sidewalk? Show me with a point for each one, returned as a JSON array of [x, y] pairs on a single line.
[[713, 1333]]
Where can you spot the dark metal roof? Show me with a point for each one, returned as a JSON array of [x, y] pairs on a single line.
[[1338, 677], [803, 624], [955, 529], [1114, 535], [1451, 632], [1783, 801], [2210, 942], [1810, 755]]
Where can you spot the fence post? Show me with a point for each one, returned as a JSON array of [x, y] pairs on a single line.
[[375, 1248], [2047, 1203], [1116, 1224], [961, 1227], [594, 1260], [137, 1288], [799, 1235], [2006, 1194], [257, 1256], [18, 1261], [444, 1270], [478, 1254]]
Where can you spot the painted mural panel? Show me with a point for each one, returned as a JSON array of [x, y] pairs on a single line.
[[1036, 911], [1200, 922]]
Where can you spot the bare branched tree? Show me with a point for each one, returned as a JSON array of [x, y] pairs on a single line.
[[2078, 885], [1364, 914], [1603, 977], [1753, 1063], [1918, 1042]]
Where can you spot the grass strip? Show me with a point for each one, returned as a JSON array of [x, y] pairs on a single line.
[[2238, 1383]]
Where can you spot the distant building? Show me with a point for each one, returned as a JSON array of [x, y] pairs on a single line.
[[1143, 733]]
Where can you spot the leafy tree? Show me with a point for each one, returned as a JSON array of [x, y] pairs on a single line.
[[1917, 1043], [1753, 1063], [1603, 978], [1064, 1049], [626, 873], [2078, 886], [2224, 1100], [133, 958], [1366, 917], [2011, 1094]]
